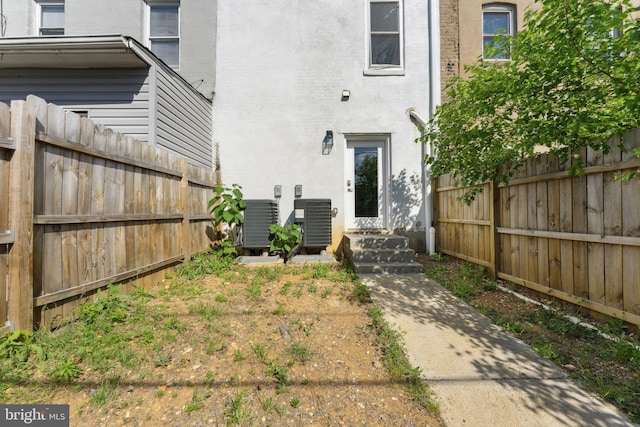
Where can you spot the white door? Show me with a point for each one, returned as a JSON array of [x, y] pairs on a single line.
[[366, 186]]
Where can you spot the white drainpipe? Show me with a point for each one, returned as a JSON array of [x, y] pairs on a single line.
[[434, 100]]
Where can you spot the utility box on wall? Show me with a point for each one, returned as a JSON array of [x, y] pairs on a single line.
[[258, 216], [314, 217]]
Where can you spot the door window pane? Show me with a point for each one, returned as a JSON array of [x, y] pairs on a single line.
[[366, 182]]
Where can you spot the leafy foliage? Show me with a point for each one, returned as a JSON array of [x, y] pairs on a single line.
[[227, 206], [573, 81], [18, 345], [112, 308], [284, 238]]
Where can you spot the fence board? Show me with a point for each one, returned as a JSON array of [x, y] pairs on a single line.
[[631, 255], [595, 225], [5, 132], [52, 268], [531, 222], [553, 211], [542, 220], [612, 226], [579, 223], [503, 251], [98, 250], [21, 203], [521, 221], [70, 183]]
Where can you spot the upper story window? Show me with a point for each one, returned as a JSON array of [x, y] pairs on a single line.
[[497, 19], [50, 18], [164, 31], [385, 35]]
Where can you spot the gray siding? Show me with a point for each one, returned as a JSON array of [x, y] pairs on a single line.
[[127, 17], [183, 120], [115, 98]]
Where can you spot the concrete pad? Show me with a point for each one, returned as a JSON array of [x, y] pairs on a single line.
[[323, 258], [509, 403], [259, 261], [481, 375], [462, 343]]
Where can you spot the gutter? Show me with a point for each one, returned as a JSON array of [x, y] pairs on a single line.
[[62, 43]]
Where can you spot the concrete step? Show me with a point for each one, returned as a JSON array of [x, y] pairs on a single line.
[[382, 255], [387, 268], [377, 241]]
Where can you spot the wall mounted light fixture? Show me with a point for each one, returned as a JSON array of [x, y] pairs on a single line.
[[327, 142]]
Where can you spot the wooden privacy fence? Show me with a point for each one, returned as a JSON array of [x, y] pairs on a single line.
[[574, 238], [82, 206]]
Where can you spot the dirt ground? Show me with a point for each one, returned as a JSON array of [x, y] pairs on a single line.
[[227, 368]]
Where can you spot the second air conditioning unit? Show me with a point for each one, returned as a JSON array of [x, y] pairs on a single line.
[[314, 217]]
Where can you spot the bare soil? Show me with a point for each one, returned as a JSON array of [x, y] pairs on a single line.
[[209, 370]]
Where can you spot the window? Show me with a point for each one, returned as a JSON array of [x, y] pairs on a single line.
[[50, 18], [496, 20], [164, 32], [385, 30]]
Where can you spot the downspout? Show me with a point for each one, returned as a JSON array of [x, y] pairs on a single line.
[[434, 101], [427, 197]]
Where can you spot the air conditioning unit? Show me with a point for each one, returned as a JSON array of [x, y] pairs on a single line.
[[314, 217], [258, 216]]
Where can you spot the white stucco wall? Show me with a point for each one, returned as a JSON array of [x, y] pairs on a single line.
[[281, 69], [128, 17]]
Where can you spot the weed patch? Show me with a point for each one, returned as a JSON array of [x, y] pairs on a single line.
[[209, 340]]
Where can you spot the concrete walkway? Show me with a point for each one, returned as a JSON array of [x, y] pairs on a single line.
[[481, 375]]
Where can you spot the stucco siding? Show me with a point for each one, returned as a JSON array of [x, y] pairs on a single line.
[[279, 89], [115, 98], [183, 121]]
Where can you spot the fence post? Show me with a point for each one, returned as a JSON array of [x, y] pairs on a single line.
[[184, 201], [493, 233], [21, 196]]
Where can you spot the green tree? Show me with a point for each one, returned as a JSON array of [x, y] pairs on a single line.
[[573, 81]]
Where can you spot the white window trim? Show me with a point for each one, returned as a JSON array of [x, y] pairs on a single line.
[[38, 16], [147, 26], [384, 70], [498, 7]]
